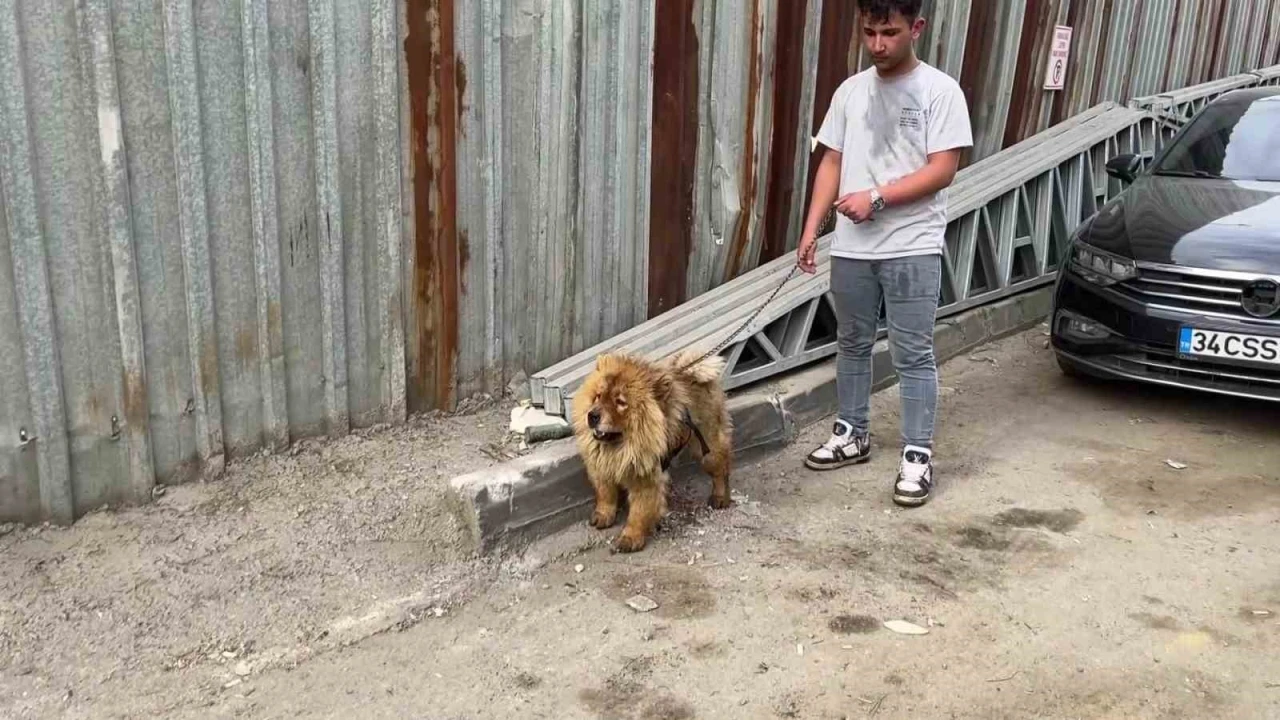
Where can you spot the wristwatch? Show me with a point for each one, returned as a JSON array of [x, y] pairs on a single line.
[[877, 201]]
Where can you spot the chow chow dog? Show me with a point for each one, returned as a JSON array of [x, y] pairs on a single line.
[[631, 418]]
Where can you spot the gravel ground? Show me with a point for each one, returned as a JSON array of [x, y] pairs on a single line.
[[283, 558], [1095, 551]]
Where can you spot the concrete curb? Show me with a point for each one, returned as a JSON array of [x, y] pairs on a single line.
[[546, 491]]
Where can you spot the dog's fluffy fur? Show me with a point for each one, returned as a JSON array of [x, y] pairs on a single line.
[[629, 415]]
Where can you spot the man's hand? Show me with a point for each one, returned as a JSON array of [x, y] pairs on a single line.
[[807, 254], [855, 206]]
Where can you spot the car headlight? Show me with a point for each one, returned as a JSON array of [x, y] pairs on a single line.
[[1101, 267]]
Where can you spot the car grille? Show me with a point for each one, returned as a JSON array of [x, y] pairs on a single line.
[[1166, 365], [1198, 291]]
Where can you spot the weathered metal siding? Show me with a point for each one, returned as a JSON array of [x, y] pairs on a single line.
[[553, 179], [735, 99], [434, 254], [674, 148], [794, 83], [1136, 48], [202, 238]]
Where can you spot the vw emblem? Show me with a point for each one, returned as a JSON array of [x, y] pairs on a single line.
[[1261, 298]]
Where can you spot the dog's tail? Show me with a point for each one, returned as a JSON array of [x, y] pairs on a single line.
[[705, 372]]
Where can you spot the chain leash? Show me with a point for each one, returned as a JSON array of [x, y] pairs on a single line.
[[733, 336]]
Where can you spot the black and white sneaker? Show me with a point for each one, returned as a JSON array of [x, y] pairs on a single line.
[[915, 477], [841, 449]]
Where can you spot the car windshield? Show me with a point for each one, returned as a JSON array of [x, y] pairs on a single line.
[[1234, 140]]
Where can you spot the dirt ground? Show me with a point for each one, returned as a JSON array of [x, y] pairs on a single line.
[[1095, 551]]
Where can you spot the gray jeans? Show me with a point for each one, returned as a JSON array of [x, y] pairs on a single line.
[[909, 289]]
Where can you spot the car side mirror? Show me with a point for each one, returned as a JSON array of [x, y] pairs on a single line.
[[1125, 168]]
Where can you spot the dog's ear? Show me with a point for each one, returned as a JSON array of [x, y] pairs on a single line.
[[662, 384]]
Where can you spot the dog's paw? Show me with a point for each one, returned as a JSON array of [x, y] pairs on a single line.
[[601, 520], [719, 503], [627, 543]]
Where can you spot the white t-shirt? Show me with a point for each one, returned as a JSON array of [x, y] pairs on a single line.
[[886, 130]]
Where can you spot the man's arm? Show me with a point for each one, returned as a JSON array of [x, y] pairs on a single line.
[[937, 175], [825, 188]]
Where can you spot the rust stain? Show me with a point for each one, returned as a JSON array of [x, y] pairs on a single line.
[[1034, 46], [742, 234], [434, 106], [209, 368], [973, 74], [460, 93], [834, 48], [464, 258], [275, 322], [788, 78], [136, 409], [674, 148], [247, 345]]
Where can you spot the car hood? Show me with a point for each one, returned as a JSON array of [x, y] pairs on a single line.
[[1212, 224]]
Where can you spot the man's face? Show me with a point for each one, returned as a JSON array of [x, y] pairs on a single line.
[[889, 41]]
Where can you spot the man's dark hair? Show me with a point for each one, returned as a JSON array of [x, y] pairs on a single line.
[[882, 10]]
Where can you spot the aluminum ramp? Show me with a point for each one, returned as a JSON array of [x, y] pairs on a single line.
[[1012, 216]]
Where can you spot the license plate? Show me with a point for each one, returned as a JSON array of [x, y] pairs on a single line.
[[1193, 342]]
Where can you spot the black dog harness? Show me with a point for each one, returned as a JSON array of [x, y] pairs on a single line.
[[688, 421]]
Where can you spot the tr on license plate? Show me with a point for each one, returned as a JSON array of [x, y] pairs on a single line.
[[1228, 346]]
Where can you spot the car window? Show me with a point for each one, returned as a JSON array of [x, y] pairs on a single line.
[[1237, 141]]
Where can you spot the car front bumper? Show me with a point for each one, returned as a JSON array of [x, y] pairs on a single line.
[[1115, 332]]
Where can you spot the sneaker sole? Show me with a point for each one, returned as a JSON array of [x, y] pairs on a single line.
[[835, 466], [910, 501]]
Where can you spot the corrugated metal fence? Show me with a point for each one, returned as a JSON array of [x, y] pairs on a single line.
[[224, 226], [201, 246]]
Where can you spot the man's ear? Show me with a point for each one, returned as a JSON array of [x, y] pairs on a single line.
[[917, 28]]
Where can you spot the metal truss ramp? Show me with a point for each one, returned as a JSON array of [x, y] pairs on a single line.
[[1012, 217], [1182, 105]]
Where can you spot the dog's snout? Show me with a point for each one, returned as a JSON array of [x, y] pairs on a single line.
[[593, 418]]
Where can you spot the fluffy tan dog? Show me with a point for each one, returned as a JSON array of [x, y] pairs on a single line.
[[631, 418]]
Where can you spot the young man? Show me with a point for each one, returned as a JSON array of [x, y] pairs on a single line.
[[894, 135]]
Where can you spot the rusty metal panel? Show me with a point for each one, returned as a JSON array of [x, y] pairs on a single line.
[[733, 141], [798, 42], [433, 253], [1037, 34], [990, 71], [202, 235], [675, 141], [790, 131]]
